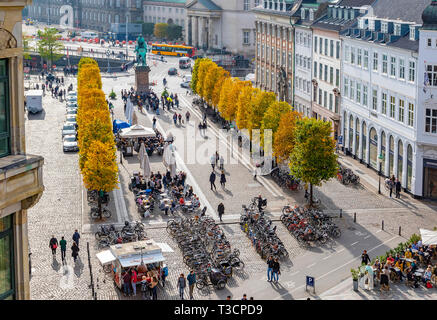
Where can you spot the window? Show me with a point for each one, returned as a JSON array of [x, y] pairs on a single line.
[[331, 48], [431, 120], [412, 71], [401, 69], [384, 63], [372, 25], [429, 41], [401, 110], [366, 59], [353, 55], [331, 101], [384, 27], [358, 97], [246, 5], [320, 96], [359, 57], [320, 71], [384, 103], [320, 45], [289, 61], [346, 87], [325, 73], [397, 31], [337, 55], [410, 114], [375, 61], [315, 44], [365, 95], [347, 53], [412, 33], [7, 282], [374, 99], [337, 77], [4, 109], [392, 106], [315, 69], [431, 72], [325, 99], [331, 75], [393, 66], [246, 35], [352, 91]]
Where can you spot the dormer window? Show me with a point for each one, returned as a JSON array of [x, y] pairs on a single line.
[[397, 31], [372, 25], [361, 23], [412, 33], [311, 14], [384, 27], [302, 13], [334, 13]]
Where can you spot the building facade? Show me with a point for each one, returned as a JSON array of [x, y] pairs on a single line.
[[20, 173], [221, 24], [165, 11]]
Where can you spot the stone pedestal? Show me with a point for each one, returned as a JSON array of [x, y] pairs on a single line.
[[142, 78]]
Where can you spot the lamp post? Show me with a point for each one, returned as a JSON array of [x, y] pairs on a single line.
[[380, 158], [127, 52]]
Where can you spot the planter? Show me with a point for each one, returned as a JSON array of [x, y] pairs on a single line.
[[355, 285]]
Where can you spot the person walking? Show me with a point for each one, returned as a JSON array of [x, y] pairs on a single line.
[[180, 119], [269, 268], [133, 281], [191, 282], [221, 210], [175, 118], [74, 251], [212, 161], [365, 259], [144, 288], [126, 283], [63, 244], [53, 244], [76, 237], [153, 286], [164, 274], [212, 180], [187, 116], [223, 179], [398, 189], [392, 184], [154, 123], [222, 162], [182, 283], [276, 270], [217, 157]]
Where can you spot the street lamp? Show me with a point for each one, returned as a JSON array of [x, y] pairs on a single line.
[[127, 52], [380, 158]]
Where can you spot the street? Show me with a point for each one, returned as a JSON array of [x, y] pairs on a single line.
[[62, 208]]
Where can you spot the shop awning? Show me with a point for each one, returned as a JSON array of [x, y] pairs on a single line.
[[136, 260], [137, 131], [428, 237], [105, 257], [164, 247]]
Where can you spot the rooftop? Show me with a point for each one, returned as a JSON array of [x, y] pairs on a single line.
[[404, 10]]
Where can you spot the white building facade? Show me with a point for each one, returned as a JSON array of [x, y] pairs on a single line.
[[170, 11]]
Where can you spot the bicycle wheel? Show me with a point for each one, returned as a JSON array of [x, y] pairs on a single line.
[[236, 263], [107, 268], [98, 235], [95, 214], [336, 232], [106, 213], [200, 284], [221, 284]]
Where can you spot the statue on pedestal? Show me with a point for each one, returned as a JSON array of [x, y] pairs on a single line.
[[141, 50], [282, 84]]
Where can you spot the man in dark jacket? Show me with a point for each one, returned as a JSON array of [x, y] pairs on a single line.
[[398, 189], [191, 282], [276, 270], [221, 210], [365, 259], [53, 244], [212, 180], [269, 268], [76, 237]]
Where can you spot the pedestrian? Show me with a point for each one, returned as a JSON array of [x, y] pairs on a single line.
[[212, 180], [212, 161], [126, 283], [365, 259], [53, 244], [244, 297], [222, 162], [217, 157], [76, 237], [164, 274], [153, 286], [392, 184], [398, 189], [175, 118], [180, 118], [63, 244], [154, 123], [74, 251], [276, 270], [187, 116], [191, 282], [182, 283], [228, 298], [221, 210], [223, 179], [144, 287], [269, 268], [134, 281]]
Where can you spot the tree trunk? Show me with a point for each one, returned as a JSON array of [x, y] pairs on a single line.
[[99, 205], [311, 194]]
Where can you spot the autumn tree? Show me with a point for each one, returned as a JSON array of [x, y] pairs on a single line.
[[160, 30], [244, 107], [229, 98], [209, 82], [205, 68], [313, 159], [221, 77], [48, 45], [283, 127], [194, 74], [272, 116], [261, 102]]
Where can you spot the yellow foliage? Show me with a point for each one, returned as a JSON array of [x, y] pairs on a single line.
[[283, 138], [205, 67], [244, 107], [222, 76], [229, 97]]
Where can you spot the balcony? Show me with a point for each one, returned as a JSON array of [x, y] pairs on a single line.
[[21, 180]]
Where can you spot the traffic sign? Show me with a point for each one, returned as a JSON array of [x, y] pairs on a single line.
[[310, 282], [108, 53]]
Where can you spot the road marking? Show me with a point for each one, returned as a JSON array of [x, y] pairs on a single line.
[[378, 231], [327, 257], [311, 265], [294, 273], [367, 236], [354, 243], [341, 250]]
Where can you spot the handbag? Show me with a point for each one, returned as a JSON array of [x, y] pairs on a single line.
[[54, 246]]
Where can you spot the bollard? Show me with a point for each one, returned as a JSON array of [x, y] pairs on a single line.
[[341, 213], [382, 225], [399, 230], [355, 217]]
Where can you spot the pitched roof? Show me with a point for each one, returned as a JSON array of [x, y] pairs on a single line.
[[355, 3], [405, 10], [208, 4]]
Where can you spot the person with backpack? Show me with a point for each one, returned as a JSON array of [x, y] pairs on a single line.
[[53, 244], [74, 251], [63, 244], [182, 283], [164, 274]]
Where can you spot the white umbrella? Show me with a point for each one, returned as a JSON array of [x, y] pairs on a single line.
[[169, 159], [141, 154], [146, 166]]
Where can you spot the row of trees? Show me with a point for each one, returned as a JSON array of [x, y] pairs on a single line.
[[167, 31], [97, 152], [305, 144]]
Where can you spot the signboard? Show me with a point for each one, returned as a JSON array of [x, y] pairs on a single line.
[[310, 282], [340, 140]]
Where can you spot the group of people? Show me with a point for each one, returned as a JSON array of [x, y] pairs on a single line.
[[403, 266], [273, 269], [217, 161], [54, 244], [70, 70], [150, 276], [394, 184]]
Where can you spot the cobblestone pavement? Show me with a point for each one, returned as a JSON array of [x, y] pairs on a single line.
[[62, 209]]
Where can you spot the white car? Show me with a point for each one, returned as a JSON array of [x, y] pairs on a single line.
[[70, 143], [71, 100], [71, 111], [187, 78], [68, 129], [72, 94]]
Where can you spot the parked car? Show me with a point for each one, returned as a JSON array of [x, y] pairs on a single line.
[[70, 143], [71, 111], [71, 99], [186, 84], [72, 94], [172, 71], [68, 129], [50, 77], [72, 105]]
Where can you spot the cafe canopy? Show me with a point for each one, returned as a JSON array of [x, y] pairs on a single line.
[[428, 237], [137, 131]]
